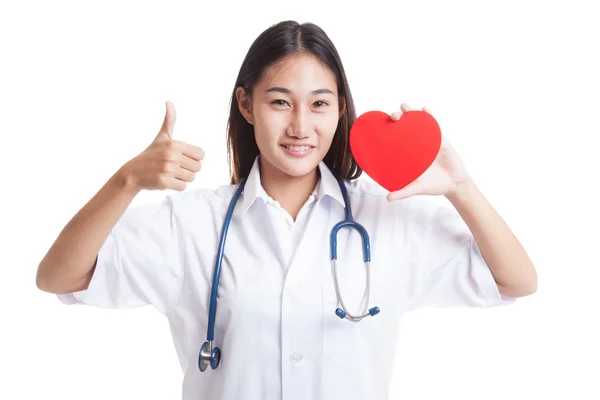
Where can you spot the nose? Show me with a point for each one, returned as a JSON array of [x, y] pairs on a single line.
[[297, 127]]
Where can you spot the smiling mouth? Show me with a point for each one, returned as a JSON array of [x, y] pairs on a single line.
[[294, 147]]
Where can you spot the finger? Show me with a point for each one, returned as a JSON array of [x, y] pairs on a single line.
[[396, 115], [426, 109], [410, 190], [172, 183], [193, 152], [176, 184], [169, 121], [190, 164], [405, 107], [184, 175]]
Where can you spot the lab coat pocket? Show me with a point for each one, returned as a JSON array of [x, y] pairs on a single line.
[[346, 341]]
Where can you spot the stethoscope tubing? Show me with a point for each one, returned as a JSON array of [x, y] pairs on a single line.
[[211, 355]]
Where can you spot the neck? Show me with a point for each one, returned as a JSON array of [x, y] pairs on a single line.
[[290, 192]]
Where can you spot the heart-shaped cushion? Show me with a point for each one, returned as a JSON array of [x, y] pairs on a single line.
[[395, 153]]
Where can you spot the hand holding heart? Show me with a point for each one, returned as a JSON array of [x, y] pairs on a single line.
[[443, 177], [406, 154]]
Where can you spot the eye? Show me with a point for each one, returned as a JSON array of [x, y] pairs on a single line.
[[320, 103], [280, 102]]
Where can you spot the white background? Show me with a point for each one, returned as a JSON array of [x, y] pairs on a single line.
[[514, 86]]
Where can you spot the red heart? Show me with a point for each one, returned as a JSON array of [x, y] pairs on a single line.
[[395, 153]]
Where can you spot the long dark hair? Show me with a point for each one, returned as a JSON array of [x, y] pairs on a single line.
[[280, 40]]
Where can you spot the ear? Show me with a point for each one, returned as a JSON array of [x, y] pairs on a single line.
[[244, 103], [342, 103]]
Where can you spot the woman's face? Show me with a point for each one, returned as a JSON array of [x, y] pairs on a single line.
[[295, 111]]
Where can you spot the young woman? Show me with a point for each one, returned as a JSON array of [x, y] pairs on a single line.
[[288, 323]]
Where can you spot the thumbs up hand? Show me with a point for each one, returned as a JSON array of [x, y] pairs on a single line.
[[166, 163], [166, 130]]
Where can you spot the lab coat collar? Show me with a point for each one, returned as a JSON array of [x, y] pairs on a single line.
[[327, 186]]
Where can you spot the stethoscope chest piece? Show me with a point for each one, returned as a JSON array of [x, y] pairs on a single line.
[[209, 356]]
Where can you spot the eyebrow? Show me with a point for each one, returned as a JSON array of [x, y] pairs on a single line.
[[288, 91]]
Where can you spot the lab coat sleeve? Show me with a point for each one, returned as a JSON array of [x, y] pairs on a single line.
[[449, 267], [140, 263]]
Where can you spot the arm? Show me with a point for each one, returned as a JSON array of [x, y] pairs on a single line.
[[509, 264], [69, 264], [165, 164]]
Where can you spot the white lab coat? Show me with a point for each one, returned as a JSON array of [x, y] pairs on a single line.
[[275, 321]]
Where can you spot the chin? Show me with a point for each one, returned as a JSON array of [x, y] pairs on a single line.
[[296, 166]]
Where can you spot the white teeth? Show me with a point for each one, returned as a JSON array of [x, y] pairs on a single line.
[[297, 148]]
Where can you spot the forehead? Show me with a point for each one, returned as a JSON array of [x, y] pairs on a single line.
[[299, 73]]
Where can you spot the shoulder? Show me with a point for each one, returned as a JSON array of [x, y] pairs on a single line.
[[192, 201], [365, 187], [365, 190], [204, 197], [421, 210]]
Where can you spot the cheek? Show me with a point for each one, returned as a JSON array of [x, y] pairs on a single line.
[[266, 128], [327, 127], [262, 120]]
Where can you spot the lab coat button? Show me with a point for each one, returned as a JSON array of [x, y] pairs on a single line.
[[296, 357]]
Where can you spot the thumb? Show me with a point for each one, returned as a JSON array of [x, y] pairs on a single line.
[[412, 189], [169, 122]]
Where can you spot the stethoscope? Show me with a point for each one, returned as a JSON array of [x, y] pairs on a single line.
[[211, 355]]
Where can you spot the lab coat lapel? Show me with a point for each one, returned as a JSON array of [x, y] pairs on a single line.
[[313, 254]]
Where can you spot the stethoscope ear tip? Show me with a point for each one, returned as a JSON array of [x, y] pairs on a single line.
[[374, 311], [342, 314]]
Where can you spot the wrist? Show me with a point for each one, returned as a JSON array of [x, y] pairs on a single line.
[[462, 192], [125, 181]]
